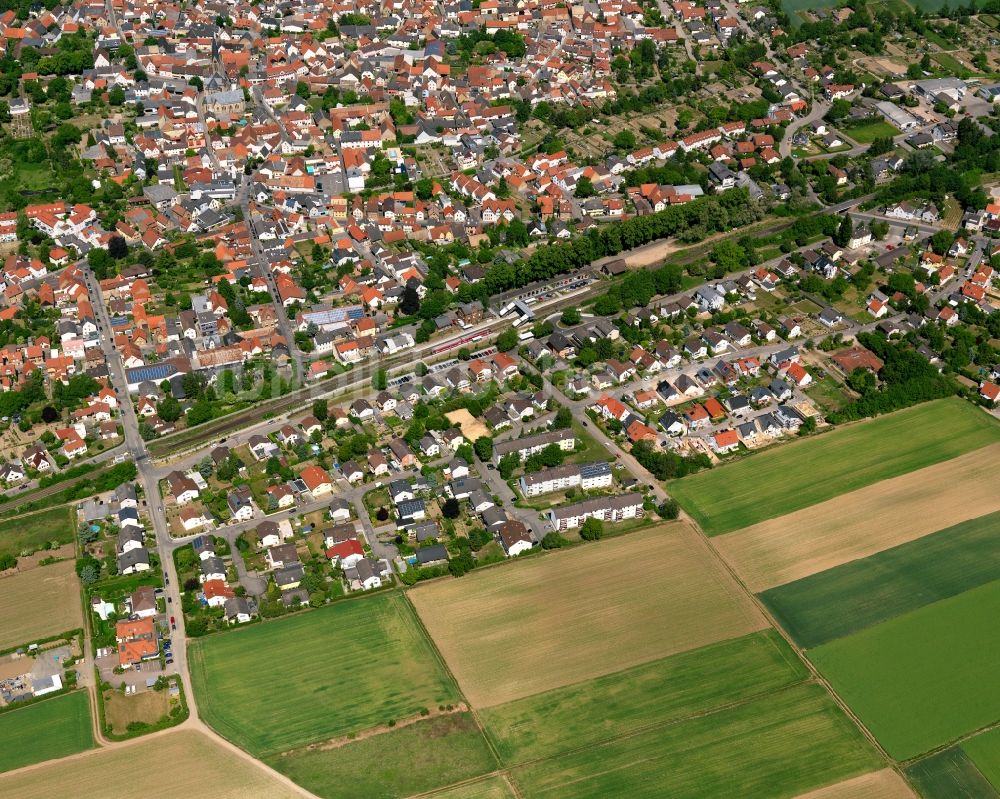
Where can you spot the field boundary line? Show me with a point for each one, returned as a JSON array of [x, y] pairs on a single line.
[[817, 676], [657, 725], [961, 739], [474, 712]]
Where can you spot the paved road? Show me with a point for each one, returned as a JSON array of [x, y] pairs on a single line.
[[147, 480], [817, 112]]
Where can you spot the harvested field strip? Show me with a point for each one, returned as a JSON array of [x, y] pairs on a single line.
[[180, 763], [40, 602], [984, 751], [862, 593], [665, 690], [884, 784], [421, 757], [49, 729], [950, 774], [792, 476], [781, 745], [923, 679], [563, 619], [865, 522], [351, 666], [489, 788]]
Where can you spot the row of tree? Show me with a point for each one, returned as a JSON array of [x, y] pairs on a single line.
[[689, 222]]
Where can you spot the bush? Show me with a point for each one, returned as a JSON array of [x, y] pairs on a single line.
[[592, 529], [553, 541]]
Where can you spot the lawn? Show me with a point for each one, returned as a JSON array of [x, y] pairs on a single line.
[[950, 774], [984, 751], [147, 707], [950, 63], [781, 745], [549, 622], [590, 449], [868, 132], [862, 593], [921, 680], [38, 603], [318, 675], [179, 763], [420, 757], [781, 479], [828, 394], [29, 533], [665, 690], [806, 306], [44, 731]]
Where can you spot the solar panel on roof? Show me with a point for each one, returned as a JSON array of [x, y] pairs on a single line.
[[153, 372]]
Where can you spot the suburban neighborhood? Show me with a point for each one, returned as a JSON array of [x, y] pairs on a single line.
[[498, 400]]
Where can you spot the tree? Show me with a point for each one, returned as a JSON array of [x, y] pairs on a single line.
[[478, 538], [584, 188], [861, 380], [484, 448], [508, 463], [320, 409], [88, 567], [99, 261], [117, 248], [116, 96], [302, 90], [450, 509], [844, 231], [625, 140], [507, 340], [592, 529], [669, 509], [409, 303], [941, 241], [169, 409], [380, 380], [571, 316]]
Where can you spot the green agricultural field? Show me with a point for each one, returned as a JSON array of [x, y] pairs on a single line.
[[867, 133], [318, 675], [862, 593], [782, 745], [32, 532], [923, 679], [788, 477], [51, 728], [426, 755], [949, 775], [984, 751], [665, 690]]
